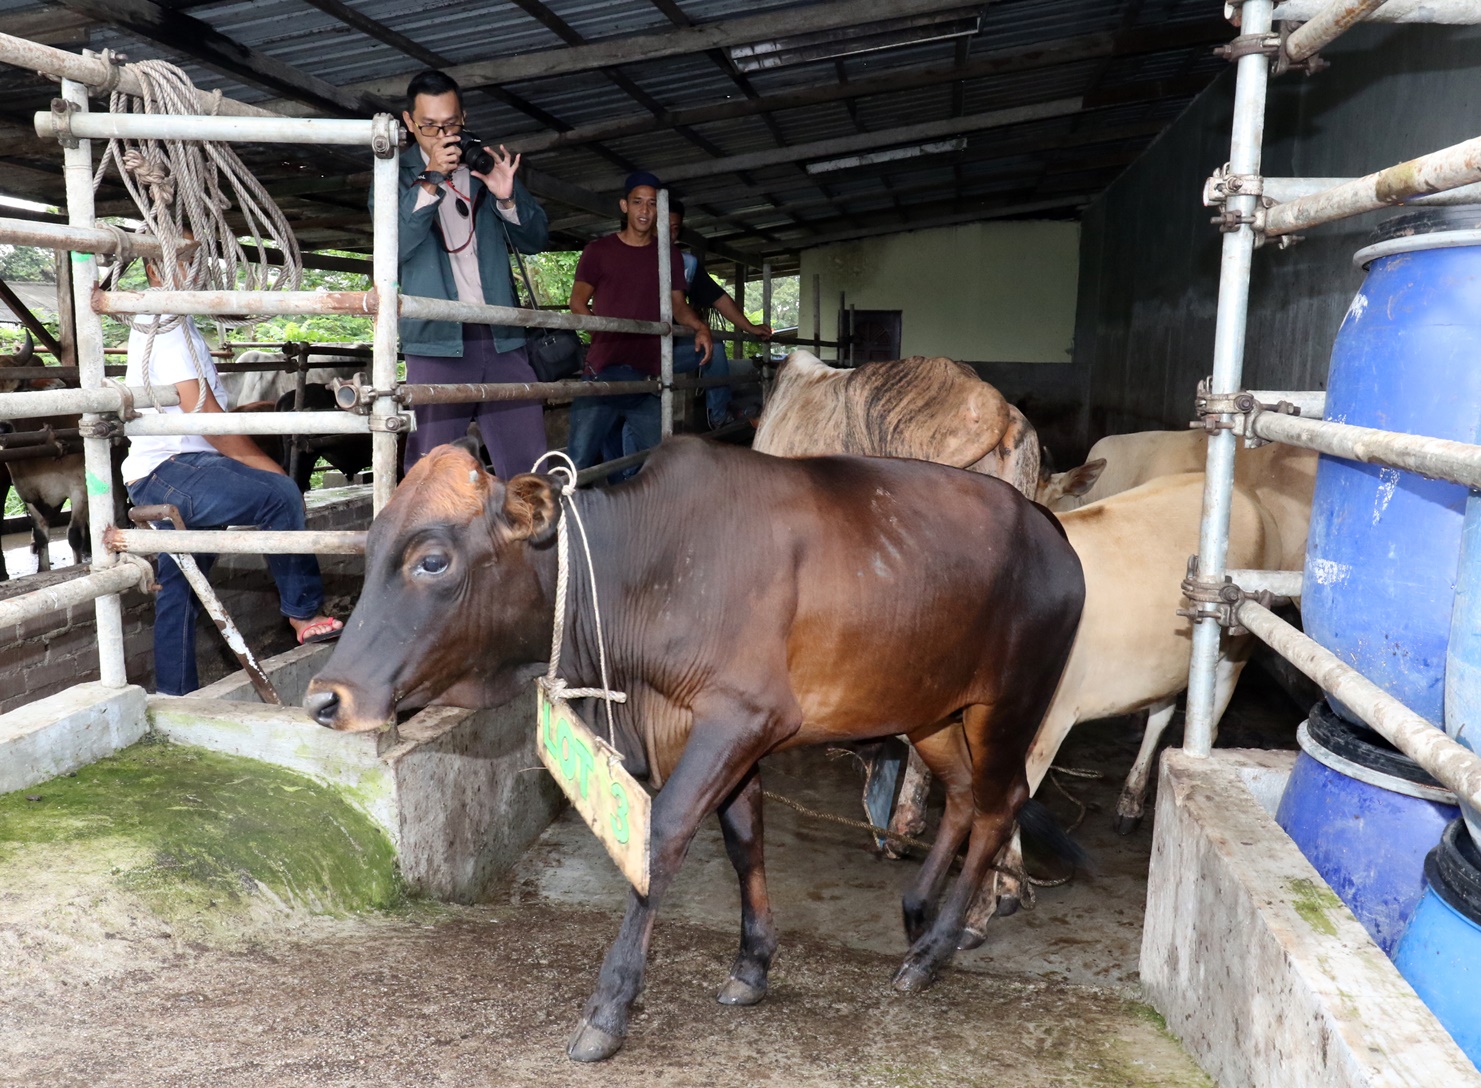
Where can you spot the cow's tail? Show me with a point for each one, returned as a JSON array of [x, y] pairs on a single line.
[[1042, 832]]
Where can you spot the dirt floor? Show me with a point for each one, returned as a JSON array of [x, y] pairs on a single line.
[[97, 989]]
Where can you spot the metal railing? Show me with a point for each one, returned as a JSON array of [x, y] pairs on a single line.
[[107, 408], [1452, 174]]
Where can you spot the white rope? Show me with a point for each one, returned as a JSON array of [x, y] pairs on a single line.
[[551, 683], [189, 185]]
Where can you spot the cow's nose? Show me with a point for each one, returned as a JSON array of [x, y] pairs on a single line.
[[323, 706]]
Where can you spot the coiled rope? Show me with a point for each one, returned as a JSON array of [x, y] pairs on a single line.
[[185, 187]]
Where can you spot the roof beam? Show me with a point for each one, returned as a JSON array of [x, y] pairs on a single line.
[[203, 42], [1006, 61], [885, 137], [680, 41]]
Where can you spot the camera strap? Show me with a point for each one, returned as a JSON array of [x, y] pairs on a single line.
[[523, 272]]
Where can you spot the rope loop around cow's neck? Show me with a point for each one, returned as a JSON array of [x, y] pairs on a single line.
[[553, 686]]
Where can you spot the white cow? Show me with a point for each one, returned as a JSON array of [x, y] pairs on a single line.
[[253, 386], [1281, 477]]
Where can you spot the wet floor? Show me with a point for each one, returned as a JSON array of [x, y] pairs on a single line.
[[94, 991]]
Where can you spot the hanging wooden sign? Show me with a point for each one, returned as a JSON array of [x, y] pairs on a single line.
[[591, 774]]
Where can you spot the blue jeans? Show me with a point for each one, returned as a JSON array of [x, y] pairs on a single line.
[[686, 360], [211, 491], [599, 423]]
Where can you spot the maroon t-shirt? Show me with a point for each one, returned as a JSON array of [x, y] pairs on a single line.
[[625, 283]]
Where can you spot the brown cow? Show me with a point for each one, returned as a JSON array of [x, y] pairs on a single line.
[[828, 598], [928, 409]]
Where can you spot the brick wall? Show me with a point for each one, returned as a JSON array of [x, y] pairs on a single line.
[[53, 651]]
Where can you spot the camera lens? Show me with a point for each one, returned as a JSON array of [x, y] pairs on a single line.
[[474, 156]]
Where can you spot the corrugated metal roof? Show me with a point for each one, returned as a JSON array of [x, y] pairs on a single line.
[[741, 205]]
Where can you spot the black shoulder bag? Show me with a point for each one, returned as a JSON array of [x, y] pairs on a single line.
[[554, 354]]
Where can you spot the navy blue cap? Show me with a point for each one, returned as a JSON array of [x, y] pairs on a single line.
[[640, 177]]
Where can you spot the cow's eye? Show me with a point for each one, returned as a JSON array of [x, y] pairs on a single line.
[[433, 563]]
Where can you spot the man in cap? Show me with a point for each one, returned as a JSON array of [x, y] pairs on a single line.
[[617, 276]]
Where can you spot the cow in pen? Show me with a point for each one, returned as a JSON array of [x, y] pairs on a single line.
[[827, 599]]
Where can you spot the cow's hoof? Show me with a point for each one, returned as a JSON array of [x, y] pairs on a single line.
[[969, 940], [591, 1044], [1007, 907], [1127, 825], [912, 979], [739, 992]]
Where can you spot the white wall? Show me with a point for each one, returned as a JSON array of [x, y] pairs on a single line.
[[981, 292]]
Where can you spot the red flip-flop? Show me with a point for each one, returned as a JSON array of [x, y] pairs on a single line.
[[326, 630]]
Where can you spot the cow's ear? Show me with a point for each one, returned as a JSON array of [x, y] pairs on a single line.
[[531, 508], [1082, 479]]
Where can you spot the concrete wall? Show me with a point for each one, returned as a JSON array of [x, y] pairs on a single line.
[[1149, 257], [53, 651], [982, 292]]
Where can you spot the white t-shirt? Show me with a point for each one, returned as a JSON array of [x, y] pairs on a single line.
[[169, 362], [457, 230]]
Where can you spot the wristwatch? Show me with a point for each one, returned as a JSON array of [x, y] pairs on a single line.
[[436, 177]]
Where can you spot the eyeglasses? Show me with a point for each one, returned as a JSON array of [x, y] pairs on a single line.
[[450, 129]]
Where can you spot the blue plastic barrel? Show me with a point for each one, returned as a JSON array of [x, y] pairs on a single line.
[[1383, 547], [1440, 952], [1365, 815]]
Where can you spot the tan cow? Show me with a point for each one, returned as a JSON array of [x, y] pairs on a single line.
[[1281, 477], [928, 409], [1132, 649]]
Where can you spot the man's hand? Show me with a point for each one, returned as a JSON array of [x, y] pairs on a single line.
[[500, 179], [704, 343], [445, 157], [762, 331]]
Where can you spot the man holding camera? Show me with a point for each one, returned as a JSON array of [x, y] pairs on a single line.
[[461, 210]]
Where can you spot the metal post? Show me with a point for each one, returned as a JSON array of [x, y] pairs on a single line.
[[766, 293], [300, 390], [665, 317], [1327, 25], [78, 169], [383, 361], [1253, 75], [66, 310], [817, 313]]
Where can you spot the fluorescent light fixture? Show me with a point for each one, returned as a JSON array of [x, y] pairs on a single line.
[[914, 151], [870, 37]]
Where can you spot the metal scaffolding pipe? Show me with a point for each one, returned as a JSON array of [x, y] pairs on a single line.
[[237, 541], [1438, 458], [1455, 767], [79, 590], [474, 392], [111, 398], [205, 423], [385, 189], [211, 303], [473, 313], [314, 131], [1280, 583], [1448, 168], [25, 232], [665, 318], [1311, 402], [1327, 25], [37, 453], [1283, 190], [96, 73], [1458, 12], [87, 330], [1237, 255]]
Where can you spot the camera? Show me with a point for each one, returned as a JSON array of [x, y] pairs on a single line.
[[475, 158]]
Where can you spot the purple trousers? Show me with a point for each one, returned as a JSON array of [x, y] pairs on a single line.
[[513, 430]]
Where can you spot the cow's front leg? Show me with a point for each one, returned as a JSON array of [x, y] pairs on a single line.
[[740, 821], [714, 762], [1001, 894]]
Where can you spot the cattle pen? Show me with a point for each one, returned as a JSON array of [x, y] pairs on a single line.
[[222, 891]]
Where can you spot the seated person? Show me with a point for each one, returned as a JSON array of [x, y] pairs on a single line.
[[215, 481], [704, 294]]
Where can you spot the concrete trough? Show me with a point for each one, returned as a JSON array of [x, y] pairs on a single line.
[[68, 730], [1257, 966], [460, 808]]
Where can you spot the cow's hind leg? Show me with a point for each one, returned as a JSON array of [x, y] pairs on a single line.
[[740, 821], [999, 789], [40, 538], [943, 747], [1134, 793], [715, 762]]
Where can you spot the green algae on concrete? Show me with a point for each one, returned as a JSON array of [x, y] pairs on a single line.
[[195, 834], [1312, 901]]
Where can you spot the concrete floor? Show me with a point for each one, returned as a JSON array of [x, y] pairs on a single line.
[[21, 560]]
